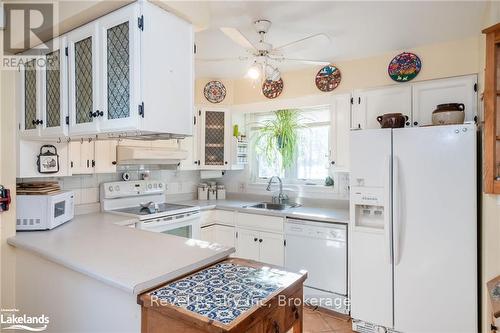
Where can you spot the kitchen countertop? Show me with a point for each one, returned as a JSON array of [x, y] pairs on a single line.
[[339, 215], [130, 259]]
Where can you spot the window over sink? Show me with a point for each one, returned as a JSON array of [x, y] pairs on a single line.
[[311, 162]]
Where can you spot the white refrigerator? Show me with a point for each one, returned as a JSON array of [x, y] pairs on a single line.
[[413, 230]]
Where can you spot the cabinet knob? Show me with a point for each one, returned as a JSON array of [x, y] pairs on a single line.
[[225, 162], [407, 123], [415, 123], [332, 162], [33, 122], [41, 122], [99, 113], [255, 239], [91, 114], [114, 162], [260, 240]]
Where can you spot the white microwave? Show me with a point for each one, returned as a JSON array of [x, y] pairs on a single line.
[[44, 212]]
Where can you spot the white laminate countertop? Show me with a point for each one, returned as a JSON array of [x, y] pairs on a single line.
[[130, 259], [335, 215]]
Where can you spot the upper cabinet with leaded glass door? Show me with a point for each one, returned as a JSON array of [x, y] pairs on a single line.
[[84, 82], [54, 103], [119, 40], [30, 119], [491, 166], [214, 139]]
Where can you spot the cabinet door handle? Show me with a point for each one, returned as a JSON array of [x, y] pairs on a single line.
[[88, 163], [93, 163]]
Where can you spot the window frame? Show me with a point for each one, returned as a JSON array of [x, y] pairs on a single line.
[[290, 177]]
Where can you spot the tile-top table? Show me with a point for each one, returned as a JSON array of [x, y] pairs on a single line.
[[234, 295]]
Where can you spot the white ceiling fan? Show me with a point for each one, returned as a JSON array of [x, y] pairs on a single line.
[[266, 57]]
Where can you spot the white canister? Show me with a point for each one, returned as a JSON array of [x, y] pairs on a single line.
[[202, 193], [212, 193]]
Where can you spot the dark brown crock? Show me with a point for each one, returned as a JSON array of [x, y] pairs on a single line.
[[392, 120]]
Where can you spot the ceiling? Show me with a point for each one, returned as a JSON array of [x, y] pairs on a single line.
[[356, 29]]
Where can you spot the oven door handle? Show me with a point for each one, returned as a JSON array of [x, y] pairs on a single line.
[[151, 225]]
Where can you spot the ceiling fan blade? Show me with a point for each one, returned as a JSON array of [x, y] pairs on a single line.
[[322, 35], [237, 37], [222, 59], [306, 61]]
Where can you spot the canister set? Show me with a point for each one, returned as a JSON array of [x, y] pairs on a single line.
[[211, 191]]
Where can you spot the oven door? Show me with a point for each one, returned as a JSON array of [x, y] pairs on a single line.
[[182, 225]]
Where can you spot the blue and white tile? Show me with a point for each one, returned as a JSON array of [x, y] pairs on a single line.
[[183, 284], [200, 290], [217, 282], [224, 315], [234, 288]]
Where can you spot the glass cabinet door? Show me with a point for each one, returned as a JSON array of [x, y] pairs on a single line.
[[119, 46], [213, 138], [30, 121], [83, 80], [54, 97]]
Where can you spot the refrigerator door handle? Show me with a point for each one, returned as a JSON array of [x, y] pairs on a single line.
[[387, 214], [396, 217]]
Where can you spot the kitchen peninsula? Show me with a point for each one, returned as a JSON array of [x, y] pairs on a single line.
[[96, 266]]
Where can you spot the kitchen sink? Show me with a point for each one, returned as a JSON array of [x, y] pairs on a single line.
[[273, 206]]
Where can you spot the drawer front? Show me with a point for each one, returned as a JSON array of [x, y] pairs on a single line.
[[293, 309], [260, 222], [275, 321], [224, 217]]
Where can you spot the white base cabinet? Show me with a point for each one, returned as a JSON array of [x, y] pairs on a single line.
[[266, 247], [220, 234]]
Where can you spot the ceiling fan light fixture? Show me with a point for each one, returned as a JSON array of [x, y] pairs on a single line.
[[254, 72], [273, 73]]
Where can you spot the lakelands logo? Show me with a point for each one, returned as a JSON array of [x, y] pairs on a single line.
[[10, 319]]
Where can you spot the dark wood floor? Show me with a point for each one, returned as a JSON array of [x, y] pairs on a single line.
[[319, 322]]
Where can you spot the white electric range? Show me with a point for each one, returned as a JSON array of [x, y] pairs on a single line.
[[145, 201]]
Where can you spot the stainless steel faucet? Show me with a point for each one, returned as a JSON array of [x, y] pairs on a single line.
[[282, 197]]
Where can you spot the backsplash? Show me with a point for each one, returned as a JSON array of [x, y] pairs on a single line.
[[86, 187]]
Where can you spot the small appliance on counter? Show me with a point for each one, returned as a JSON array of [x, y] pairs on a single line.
[[44, 211]]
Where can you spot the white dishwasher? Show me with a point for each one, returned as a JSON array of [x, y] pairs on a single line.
[[321, 249]]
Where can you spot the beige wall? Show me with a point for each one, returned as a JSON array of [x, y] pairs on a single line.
[[8, 179], [439, 60]]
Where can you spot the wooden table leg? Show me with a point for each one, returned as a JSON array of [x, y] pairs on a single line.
[[298, 325]]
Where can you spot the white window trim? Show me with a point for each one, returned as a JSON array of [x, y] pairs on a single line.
[[308, 183]]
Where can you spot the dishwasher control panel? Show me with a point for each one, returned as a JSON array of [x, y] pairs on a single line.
[[316, 229]]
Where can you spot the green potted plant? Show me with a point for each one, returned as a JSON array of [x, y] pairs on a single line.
[[279, 135]]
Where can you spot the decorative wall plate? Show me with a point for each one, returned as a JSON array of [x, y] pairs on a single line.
[[328, 78], [214, 91], [404, 67], [272, 89]]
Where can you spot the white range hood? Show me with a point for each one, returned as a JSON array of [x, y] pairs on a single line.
[[148, 155]]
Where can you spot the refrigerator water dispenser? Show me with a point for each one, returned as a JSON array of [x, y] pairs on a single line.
[[368, 205]]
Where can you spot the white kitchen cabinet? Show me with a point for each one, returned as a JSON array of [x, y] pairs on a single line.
[[220, 234], [214, 139], [371, 103], [84, 83], [54, 94], [428, 94], [82, 160], [247, 244], [339, 135], [272, 248], [89, 157], [116, 85], [266, 247], [191, 144], [105, 156], [30, 99], [119, 60]]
